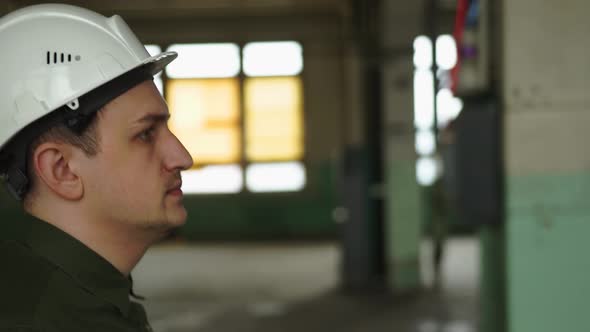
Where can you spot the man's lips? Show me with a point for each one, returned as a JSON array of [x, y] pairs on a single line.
[[175, 189]]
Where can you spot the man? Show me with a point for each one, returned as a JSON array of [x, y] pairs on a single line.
[[85, 146]]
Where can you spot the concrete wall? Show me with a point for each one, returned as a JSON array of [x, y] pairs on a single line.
[[402, 22], [403, 204], [547, 123]]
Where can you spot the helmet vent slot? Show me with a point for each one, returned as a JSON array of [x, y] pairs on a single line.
[[55, 57]]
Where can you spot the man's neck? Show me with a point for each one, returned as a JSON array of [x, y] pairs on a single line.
[[121, 246]]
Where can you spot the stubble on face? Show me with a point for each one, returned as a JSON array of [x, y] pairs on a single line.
[[129, 181]]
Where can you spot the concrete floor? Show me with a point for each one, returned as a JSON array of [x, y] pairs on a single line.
[[294, 287]]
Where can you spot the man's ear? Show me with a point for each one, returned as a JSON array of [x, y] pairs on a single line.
[[53, 164]]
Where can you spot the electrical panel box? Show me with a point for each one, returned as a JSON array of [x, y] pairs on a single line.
[[477, 163]]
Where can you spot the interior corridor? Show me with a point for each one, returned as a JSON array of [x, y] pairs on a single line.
[[293, 287]]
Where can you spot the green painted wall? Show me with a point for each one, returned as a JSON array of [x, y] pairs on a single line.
[[548, 266], [404, 226], [306, 214]]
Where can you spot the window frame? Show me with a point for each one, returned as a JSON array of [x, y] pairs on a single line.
[[244, 163]]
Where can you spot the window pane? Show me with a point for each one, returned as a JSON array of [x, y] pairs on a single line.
[[205, 117], [213, 179], [275, 177], [422, 52], [274, 118], [204, 61], [446, 52], [427, 171], [448, 107], [425, 142], [273, 59], [423, 99]]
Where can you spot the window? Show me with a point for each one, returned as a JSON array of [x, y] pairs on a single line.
[[275, 177], [273, 116], [432, 100], [239, 112], [204, 61], [273, 59], [205, 116]]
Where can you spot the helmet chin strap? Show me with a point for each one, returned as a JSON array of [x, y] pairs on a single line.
[[76, 115]]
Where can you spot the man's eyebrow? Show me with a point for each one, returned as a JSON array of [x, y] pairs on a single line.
[[154, 117]]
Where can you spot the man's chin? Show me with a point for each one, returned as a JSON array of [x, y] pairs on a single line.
[[177, 218], [168, 228]]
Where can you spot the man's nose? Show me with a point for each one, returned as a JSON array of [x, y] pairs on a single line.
[[177, 157]]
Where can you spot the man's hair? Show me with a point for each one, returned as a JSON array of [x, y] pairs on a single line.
[[87, 141]]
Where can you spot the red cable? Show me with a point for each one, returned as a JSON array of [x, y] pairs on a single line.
[[460, 17]]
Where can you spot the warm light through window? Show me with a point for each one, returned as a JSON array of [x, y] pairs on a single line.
[[274, 116], [446, 52], [275, 177], [423, 52], [427, 171], [235, 127], [273, 59], [213, 180], [205, 117], [204, 61], [425, 142], [448, 107], [423, 99]]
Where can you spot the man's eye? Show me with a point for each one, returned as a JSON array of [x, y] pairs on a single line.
[[147, 135]]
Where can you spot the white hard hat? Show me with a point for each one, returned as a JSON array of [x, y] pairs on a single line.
[[57, 57], [53, 54]]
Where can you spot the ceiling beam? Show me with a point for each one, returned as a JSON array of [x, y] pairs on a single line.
[[198, 8]]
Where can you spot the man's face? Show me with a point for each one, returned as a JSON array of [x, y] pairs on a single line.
[[134, 179]]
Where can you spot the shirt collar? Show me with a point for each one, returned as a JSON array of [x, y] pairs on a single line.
[[89, 269]]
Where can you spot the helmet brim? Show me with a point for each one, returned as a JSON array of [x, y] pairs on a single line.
[[158, 62]]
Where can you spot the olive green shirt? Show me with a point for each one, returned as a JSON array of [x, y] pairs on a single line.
[[51, 282]]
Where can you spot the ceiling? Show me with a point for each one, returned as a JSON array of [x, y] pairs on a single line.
[[184, 8]]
